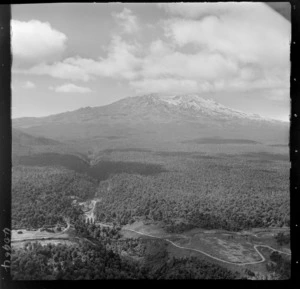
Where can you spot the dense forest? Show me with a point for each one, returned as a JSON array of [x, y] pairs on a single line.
[[178, 191], [43, 195], [209, 193], [95, 260], [82, 261], [283, 238], [100, 171], [212, 194], [280, 266]]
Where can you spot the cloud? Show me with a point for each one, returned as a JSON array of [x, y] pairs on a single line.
[[169, 85], [62, 70], [194, 10], [70, 88], [28, 85], [280, 94], [204, 71], [204, 47], [120, 62], [163, 61], [243, 40], [126, 20], [199, 10], [236, 46], [35, 41]]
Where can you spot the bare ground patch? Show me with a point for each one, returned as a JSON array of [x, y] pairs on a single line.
[[31, 235], [20, 244]]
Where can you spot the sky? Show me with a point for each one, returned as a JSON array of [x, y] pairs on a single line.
[[68, 56]]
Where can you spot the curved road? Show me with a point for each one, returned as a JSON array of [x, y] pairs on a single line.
[[196, 250], [174, 244], [215, 258], [169, 241]]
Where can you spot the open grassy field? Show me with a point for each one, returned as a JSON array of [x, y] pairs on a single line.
[[20, 244], [38, 234], [230, 247], [65, 236]]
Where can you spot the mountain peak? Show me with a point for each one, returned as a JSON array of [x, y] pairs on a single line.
[[152, 108], [177, 115], [195, 104]]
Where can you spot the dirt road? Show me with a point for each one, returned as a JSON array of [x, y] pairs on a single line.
[[91, 215], [213, 257]]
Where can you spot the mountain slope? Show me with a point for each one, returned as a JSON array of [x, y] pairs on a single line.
[[24, 144], [163, 106], [182, 116]]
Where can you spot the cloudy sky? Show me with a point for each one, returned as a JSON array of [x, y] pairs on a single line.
[[67, 56]]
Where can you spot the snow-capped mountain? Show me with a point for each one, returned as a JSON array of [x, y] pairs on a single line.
[[161, 114], [147, 106], [201, 106]]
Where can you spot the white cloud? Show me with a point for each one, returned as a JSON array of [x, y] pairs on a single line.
[[120, 62], [200, 66], [35, 41], [239, 46], [194, 10], [199, 10], [126, 20], [70, 88], [28, 85], [236, 47], [246, 41], [62, 70]]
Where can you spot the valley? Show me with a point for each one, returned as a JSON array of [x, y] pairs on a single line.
[[163, 182], [235, 248], [238, 249]]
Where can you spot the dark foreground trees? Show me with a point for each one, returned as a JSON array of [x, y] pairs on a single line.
[[88, 261], [280, 265]]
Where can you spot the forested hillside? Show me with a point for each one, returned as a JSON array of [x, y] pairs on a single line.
[[95, 261], [173, 166], [207, 193], [24, 144], [42, 195]]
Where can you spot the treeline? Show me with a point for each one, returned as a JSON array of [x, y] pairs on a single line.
[[283, 238], [210, 196], [76, 262], [280, 265], [42, 195], [88, 261], [104, 235]]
